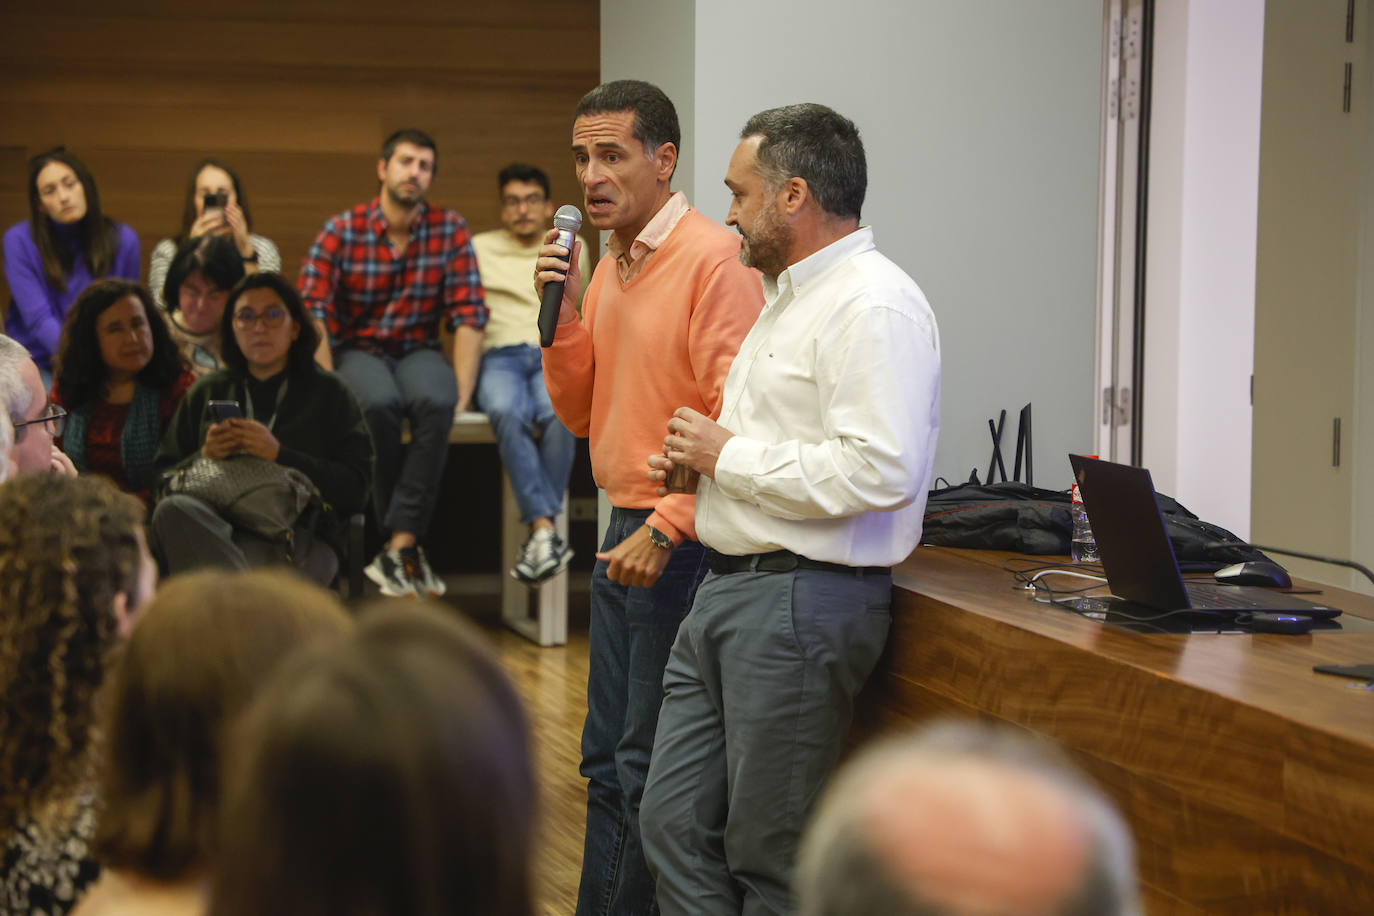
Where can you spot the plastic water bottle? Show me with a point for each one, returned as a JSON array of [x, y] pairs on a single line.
[[1083, 546]]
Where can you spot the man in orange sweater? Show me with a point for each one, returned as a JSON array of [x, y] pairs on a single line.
[[662, 320]]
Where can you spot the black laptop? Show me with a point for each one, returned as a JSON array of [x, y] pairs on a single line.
[[1139, 560]]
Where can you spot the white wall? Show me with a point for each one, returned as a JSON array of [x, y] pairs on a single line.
[[1363, 434], [1200, 251], [981, 123]]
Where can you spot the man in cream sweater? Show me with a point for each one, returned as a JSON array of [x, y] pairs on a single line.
[[510, 386]]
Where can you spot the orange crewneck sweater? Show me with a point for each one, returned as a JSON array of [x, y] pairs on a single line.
[[645, 348]]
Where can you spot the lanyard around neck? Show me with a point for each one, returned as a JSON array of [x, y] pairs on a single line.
[[276, 408]]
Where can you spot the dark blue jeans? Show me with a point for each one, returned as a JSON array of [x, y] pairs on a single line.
[[632, 632], [418, 387], [510, 390]]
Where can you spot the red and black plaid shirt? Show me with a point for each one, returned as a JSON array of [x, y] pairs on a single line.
[[372, 299]]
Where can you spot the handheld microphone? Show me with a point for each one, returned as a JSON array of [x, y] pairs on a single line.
[[567, 221]]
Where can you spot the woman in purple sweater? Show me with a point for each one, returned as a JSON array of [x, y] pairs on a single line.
[[66, 244]]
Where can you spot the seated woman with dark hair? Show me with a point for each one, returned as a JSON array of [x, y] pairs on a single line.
[[74, 573], [120, 378], [385, 773], [216, 205], [65, 244], [202, 648], [203, 272], [293, 413]]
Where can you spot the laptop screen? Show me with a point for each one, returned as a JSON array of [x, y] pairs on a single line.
[[1131, 537]]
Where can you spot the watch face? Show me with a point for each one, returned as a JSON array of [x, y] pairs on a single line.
[[660, 539]]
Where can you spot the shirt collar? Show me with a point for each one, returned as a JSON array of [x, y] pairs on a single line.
[[376, 217], [811, 267], [657, 229]]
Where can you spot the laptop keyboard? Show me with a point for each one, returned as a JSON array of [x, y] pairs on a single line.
[[1220, 597]]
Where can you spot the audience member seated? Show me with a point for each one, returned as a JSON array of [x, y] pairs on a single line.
[[66, 243], [960, 818], [201, 649], [510, 384], [36, 422], [73, 574], [385, 773], [203, 272], [215, 205], [294, 413], [120, 379], [381, 281]]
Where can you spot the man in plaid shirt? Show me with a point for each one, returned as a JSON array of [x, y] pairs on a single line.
[[380, 281]]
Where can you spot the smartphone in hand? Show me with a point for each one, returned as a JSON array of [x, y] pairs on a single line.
[[224, 410], [214, 201]]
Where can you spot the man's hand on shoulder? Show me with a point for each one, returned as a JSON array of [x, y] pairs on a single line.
[[637, 560], [552, 266]]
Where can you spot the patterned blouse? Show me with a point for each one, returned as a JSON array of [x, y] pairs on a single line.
[[47, 869]]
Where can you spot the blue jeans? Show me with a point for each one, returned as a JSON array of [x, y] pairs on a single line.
[[418, 387], [510, 390], [632, 632], [759, 693]]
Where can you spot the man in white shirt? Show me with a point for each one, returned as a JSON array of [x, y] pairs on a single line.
[[812, 485], [510, 384]]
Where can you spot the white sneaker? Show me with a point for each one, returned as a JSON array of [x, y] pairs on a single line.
[[543, 555]]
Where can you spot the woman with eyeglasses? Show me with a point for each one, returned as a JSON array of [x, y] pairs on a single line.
[[291, 412], [216, 206], [66, 243], [203, 272], [120, 379]]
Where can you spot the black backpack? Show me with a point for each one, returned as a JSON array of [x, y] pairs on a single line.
[[1024, 519]]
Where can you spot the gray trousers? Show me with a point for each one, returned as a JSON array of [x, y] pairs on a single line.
[[759, 694], [188, 535], [419, 387]]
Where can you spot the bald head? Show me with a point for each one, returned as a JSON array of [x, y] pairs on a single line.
[[964, 820]]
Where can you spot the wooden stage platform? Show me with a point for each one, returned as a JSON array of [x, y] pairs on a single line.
[[1247, 777]]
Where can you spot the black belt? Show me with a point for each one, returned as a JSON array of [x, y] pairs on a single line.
[[783, 561]]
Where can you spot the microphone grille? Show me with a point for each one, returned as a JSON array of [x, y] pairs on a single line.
[[568, 217]]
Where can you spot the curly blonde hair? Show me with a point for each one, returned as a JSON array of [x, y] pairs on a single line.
[[67, 547]]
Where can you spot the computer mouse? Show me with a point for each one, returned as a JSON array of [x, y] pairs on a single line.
[[1255, 572]]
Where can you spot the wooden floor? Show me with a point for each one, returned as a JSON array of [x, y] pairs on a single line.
[[553, 683]]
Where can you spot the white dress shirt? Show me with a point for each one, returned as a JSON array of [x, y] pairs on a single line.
[[834, 402]]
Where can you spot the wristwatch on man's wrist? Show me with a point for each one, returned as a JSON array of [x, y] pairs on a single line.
[[659, 538]]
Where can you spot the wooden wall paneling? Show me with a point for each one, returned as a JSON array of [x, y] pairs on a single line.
[[296, 97]]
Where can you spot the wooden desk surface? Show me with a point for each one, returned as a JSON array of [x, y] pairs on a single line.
[[1249, 778]]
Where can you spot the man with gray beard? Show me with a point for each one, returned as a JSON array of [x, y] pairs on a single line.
[[812, 486]]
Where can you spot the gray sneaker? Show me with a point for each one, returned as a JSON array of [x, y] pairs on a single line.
[[388, 570], [417, 566], [543, 555]]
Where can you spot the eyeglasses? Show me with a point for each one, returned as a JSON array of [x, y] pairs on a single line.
[[53, 416], [271, 318], [529, 200]]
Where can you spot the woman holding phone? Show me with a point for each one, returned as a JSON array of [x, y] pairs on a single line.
[[66, 243], [120, 378], [215, 205], [274, 402]]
